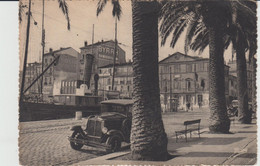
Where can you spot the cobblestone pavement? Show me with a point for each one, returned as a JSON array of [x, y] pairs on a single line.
[[45, 143]]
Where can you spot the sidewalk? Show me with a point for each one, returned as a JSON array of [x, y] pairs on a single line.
[[238, 148]]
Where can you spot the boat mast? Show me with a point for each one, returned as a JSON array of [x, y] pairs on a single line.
[[115, 52], [26, 52], [43, 43]]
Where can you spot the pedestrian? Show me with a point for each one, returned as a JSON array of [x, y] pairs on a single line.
[[188, 106]]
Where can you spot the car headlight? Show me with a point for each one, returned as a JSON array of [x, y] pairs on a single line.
[[104, 130]]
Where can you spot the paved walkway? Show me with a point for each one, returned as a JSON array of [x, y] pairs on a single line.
[[238, 148]]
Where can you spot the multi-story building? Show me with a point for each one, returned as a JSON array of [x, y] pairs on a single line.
[[123, 79], [33, 70], [103, 54], [63, 69], [185, 79]]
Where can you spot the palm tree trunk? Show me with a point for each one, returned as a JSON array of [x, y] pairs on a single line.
[[243, 112], [148, 137], [219, 121], [214, 16], [254, 66]]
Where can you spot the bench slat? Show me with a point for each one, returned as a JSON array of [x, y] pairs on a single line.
[[192, 122]]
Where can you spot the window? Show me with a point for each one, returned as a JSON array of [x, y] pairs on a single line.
[[206, 66], [50, 82], [108, 81], [188, 84], [177, 84], [45, 81], [176, 68], [189, 67], [201, 67], [202, 84], [128, 88]]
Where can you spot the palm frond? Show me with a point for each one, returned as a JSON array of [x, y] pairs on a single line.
[[64, 7], [190, 32], [171, 16], [100, 6], [178, 30], [116, 12], [201, 40]]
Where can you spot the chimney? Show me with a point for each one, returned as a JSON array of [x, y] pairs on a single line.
[[86, 43], [50, 50], [102, 41]]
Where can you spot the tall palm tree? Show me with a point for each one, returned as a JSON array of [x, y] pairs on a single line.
[[203, 17], [199, 34], [148, 137], [242, 33], [243, 30]]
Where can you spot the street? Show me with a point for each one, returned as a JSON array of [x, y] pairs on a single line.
[[45, 142]]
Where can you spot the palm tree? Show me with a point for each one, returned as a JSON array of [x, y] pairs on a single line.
[[203, 17], [148, 137], [199, 34], [243, 30]]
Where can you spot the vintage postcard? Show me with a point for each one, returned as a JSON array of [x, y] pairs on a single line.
[[131, 82]]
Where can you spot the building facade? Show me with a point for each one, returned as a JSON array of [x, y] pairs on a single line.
[[33, 70], [184, 79], [123, 80], [103, 54], [63, 69]]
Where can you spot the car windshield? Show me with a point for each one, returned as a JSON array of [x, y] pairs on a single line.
[[112, 108], [126, 110]]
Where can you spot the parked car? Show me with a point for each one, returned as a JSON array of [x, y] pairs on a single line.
[[107, 130]]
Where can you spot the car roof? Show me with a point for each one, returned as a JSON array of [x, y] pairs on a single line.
[[123, 102]]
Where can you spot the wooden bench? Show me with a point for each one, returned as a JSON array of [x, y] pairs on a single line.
[[190, 126]]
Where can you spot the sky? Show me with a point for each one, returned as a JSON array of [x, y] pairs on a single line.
[[82, 15]]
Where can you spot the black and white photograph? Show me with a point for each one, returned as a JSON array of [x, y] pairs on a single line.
[[137, 82]]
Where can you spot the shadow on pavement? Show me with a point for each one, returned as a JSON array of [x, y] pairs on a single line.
[[208, 154], [200, 141], [246, 132], [93, 151], [221, 141]]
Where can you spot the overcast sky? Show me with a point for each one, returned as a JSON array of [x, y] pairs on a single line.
[[82, 15]]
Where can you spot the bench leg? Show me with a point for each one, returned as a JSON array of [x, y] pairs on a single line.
[[199, 132], [186, 136]]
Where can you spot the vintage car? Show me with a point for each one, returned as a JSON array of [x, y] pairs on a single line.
[[107, 130]]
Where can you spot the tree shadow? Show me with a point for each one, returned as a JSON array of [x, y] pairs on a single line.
[[174, 146]]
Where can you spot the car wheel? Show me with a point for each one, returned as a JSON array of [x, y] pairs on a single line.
[[76, 135], [115, 144]]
